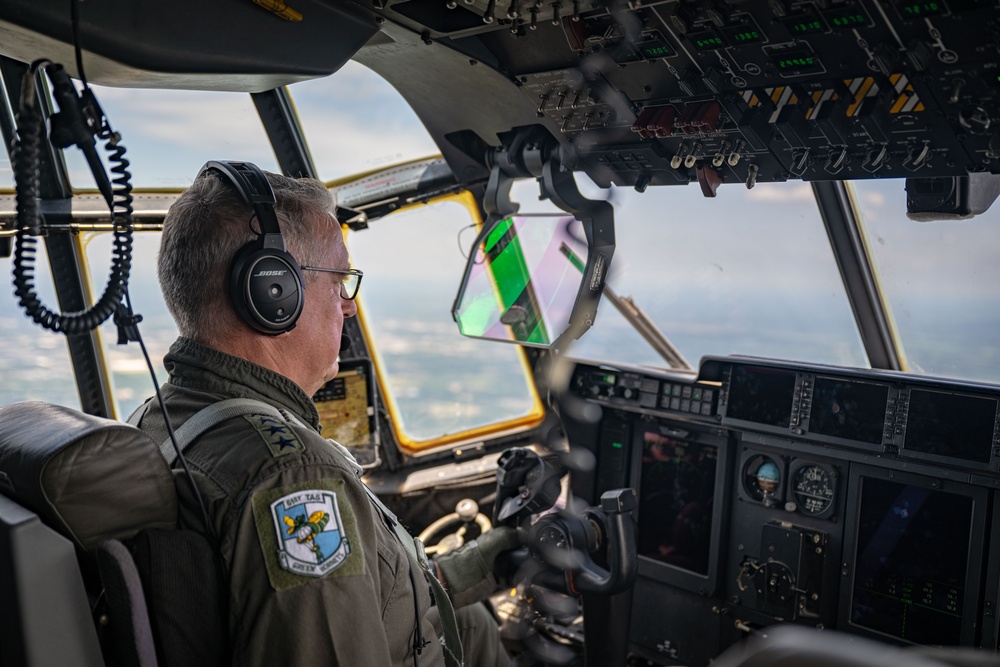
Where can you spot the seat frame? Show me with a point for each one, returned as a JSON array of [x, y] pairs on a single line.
[[44, 610]]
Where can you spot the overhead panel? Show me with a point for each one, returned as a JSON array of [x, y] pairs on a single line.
[[676, 92]]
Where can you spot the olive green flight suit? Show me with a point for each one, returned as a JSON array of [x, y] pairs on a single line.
[[315, 576]]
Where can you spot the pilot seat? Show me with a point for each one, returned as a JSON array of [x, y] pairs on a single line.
[[93, 567]]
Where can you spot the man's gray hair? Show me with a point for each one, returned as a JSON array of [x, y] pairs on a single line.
[[205, 229]]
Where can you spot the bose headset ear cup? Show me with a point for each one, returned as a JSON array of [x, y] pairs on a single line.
[[267, 289], [265, 282]]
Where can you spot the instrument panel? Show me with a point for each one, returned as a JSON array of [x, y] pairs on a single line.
[[886, 413], [667, 92], [831, 497]]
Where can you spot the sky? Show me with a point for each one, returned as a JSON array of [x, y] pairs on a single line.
[[170, 134], [747, 272]]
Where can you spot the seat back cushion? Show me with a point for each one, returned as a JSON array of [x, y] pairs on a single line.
[[90, 478]]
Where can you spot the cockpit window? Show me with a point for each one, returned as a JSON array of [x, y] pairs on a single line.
[[357, 122], [941, 281], [169, 134], [130, 379], [34, 363], [748, 272], [440, 385]]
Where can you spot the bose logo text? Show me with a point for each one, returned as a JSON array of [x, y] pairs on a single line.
[[262, 274]]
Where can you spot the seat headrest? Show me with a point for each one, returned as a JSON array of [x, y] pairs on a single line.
[[90, 478]]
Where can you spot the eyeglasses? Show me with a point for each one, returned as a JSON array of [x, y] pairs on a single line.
[[350, 283]]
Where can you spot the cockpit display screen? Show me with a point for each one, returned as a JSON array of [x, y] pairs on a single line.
[[848, 409], [912, 558], [676, 491], [950, 425], [761, 395], [347, 410]]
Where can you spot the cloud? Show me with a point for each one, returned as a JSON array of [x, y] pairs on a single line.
[[353, 121], [796, 191], [356, 121]]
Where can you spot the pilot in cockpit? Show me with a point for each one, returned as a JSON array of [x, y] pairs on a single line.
[[319, 572]]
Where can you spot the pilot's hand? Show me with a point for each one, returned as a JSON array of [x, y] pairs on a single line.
[[468, 571]]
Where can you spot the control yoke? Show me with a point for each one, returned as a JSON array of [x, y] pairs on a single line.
[[571, 544], [526, 484]]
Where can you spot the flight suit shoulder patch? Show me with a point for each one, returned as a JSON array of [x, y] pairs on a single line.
[[307, 531], [279, 437]]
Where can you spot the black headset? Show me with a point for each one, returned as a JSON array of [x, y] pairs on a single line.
[[265, 282]]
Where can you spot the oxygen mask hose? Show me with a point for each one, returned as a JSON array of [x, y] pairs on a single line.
[[26, 163]]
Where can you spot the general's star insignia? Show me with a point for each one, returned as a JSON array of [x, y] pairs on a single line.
[[279, 438]]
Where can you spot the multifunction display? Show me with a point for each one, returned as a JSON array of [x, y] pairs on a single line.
[[889, 414], [954, 425], [848, 409], [761, 395], [911, 561], [677, 486]]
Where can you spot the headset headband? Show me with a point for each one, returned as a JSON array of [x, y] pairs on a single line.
[[255, 190]]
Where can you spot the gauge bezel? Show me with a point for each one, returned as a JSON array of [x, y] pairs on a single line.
[[756, 458], [796, 467]]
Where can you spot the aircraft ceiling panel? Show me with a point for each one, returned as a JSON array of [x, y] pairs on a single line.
[[220, 45], [715, 91], [637, 93]]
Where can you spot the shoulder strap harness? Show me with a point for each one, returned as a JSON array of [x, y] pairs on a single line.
[[219, 412]]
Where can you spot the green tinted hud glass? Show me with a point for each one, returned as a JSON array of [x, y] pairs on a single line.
[[525, 281]]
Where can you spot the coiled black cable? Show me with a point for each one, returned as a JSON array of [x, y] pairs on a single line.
[[81, 121], [25, 163]]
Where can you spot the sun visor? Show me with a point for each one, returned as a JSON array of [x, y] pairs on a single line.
[[89, 478], [188, 44]]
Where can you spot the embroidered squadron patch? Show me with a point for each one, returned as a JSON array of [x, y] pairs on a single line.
[[306, 531], [311, 538], [277, 435]]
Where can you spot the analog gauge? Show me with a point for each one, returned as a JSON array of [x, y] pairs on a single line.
[[762, 479], [814, 488]]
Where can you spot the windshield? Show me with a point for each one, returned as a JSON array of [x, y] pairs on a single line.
[[749, 272], [941, 281]]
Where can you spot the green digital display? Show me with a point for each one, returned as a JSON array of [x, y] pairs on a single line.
[[706, 41], [849, 21], [741, 35], [846, 18], [807, 24], [660, 51], [623, 51], [746, 37], [914, 10], [651, 45], [796, 62]]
